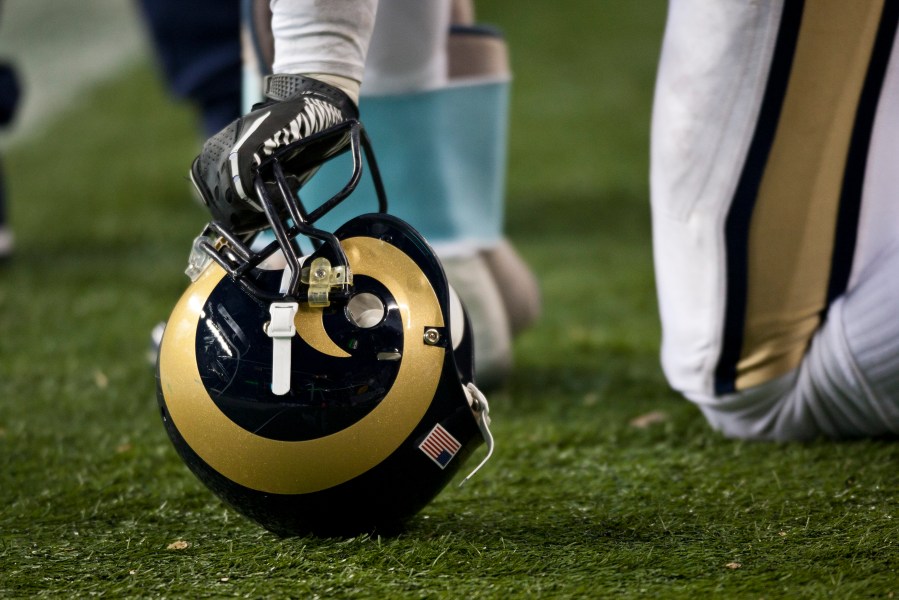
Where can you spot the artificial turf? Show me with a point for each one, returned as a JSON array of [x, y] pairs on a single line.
[[604, 483]]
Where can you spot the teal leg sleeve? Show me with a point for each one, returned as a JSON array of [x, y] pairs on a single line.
[[442, 156]]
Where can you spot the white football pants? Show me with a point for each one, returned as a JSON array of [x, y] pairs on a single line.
[[775, 197]]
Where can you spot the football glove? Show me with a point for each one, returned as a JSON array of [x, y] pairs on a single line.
[[296, 107]]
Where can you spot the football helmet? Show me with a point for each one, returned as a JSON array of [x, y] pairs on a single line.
[[325, 393]]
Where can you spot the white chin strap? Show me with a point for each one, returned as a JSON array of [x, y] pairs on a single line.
[[478, 403], [281, 329]]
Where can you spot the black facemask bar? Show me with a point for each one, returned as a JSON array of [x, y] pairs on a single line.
[[277, 183]]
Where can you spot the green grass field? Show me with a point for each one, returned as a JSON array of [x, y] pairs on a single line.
[[580, 499]]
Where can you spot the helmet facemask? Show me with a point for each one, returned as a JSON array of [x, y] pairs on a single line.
[[281, 209]]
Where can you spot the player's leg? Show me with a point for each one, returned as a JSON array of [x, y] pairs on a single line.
[[442, 153], [765, 174], [848, 382], [434, 100], [478, 55], [198, 48], [847, 385], [9, 99]]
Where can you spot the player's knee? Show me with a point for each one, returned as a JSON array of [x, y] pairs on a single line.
[[770, 411]]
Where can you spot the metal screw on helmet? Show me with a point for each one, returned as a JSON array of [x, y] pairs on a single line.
[[432, 337]]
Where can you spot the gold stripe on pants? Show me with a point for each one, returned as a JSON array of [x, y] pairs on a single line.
[[791, 238]]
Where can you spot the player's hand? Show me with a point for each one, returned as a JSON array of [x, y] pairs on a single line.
[[296, 107]]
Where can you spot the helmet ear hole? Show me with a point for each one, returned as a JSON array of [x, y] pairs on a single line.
[[365, 310]]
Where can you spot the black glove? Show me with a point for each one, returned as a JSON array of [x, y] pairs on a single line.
[[296, 107]]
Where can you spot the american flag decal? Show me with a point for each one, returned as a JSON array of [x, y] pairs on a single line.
[[440, 446]]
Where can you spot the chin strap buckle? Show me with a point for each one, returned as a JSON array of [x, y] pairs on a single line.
[[481, 409], [321, 277], [281, 329]]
